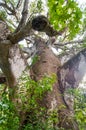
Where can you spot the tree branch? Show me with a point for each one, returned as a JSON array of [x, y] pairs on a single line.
[[24, 15], [12, 10], [12, 62], [7, 7], [19, 4], [21, 34], [70, 42], [39, 23]]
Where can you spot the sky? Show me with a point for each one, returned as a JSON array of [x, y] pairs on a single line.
[[81, 1]]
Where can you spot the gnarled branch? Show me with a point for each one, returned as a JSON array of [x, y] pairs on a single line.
[[39, 23]]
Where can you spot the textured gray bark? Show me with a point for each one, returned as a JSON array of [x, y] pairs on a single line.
[[12, 61], [48, 64]]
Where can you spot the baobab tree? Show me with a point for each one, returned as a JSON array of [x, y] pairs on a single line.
[[31, 26]]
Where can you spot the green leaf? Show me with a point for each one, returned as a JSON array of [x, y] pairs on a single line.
[[65, 14]]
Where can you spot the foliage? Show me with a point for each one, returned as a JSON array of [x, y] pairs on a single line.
[[65, 14], [36, 112], [2, 15], [35, 59], [31, 94], [79, 106], [36, 7], [37, 116], [84, 20], [8, 117]]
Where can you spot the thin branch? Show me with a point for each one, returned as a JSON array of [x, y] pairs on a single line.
[[51, 32], [67, 43], [12, 5], [69, 51], [19, 4], [12, 10], [24, 15], [4, 5]]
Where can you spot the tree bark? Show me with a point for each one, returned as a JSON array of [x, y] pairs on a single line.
[[12, 61], [48, 64], [72, 72]]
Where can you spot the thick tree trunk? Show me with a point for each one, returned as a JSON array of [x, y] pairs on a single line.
[[72, 72], [12, 61], [48, 64]]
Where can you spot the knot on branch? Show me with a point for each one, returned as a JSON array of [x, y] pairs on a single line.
[[39, 23]]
